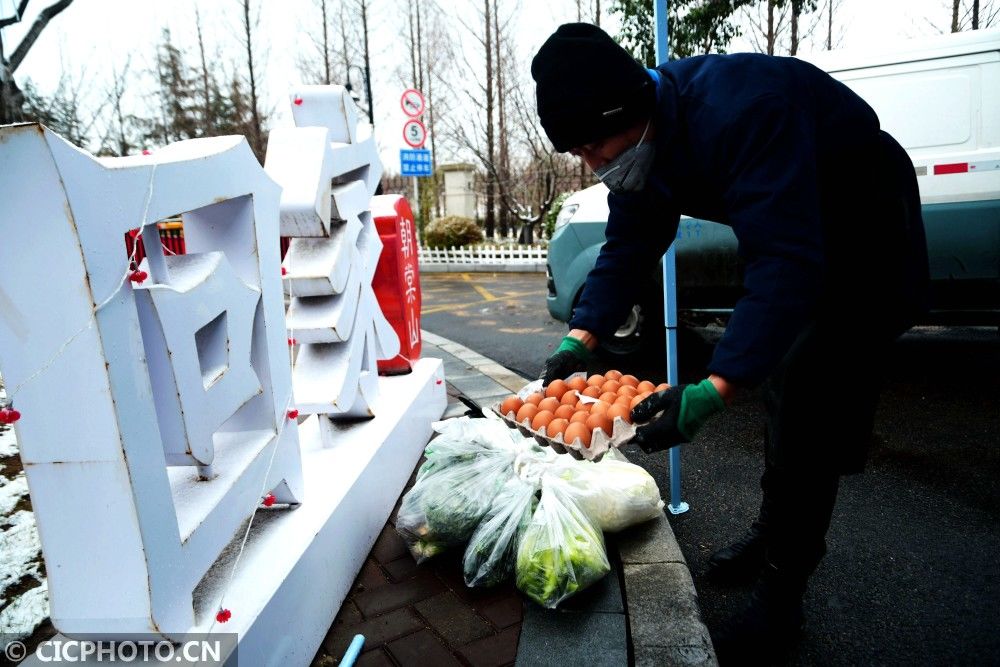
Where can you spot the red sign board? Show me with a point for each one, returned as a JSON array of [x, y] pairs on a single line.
[[397, 279]]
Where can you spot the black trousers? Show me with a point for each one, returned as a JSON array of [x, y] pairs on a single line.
[[820, 401]]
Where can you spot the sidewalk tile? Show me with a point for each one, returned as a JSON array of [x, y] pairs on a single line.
[[386, 598], [348, 614], [493, 651], [554, 637], [650, 542], [377, 658], [659, 619], [452, 619], [681, 656], [389, 546], [369, 578], [503, 612], [402, 568], [377, 631], [421, 648]]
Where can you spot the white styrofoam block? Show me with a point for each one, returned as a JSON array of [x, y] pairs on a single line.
[[198, 357], [350, 200], [325, 319], [99, 485], [300, 161], [294, 576], [320, 267], [369, 247], [326, 106]]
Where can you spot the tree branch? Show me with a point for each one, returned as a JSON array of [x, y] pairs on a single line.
[[35, 30], [16, 18]]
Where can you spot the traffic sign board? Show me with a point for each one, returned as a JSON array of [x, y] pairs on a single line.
[[412, 102], [415, 162], [414, 133]]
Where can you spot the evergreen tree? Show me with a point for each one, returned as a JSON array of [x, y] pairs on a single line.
[[695, 27]]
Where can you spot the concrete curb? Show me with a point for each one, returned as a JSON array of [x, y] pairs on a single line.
[[662, 603], [660, 599]]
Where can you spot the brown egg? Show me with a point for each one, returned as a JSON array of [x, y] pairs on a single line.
[[541, 418], [579, 416], [534, 399], [662, 387], [582, 407], [510, 404], [638, 399], [596, 380], [556, 388], [578, 383], [599, 422], [555, 427], [592, 391], [628, 391], [613, 375], [570, 398], [599, 408], [609, 397], [612, 386], [527, 412], [629, 380], [646, 385], [577, 431], [550, 404], [564, 412], [622, 411]]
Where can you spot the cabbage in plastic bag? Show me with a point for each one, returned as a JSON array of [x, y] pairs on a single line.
[[492, 551], [614, 493], [467, 464], [561, 551]]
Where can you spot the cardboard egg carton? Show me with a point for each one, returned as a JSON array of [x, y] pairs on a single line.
[[600, 443]]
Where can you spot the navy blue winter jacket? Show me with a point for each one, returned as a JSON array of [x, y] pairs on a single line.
[[758, 143]]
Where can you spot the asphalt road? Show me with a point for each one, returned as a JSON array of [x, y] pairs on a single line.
[[912, 575]]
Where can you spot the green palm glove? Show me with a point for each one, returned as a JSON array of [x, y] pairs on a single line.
[[685, 408], [571, 356]]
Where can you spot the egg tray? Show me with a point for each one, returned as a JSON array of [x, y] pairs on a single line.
[[600, 443]]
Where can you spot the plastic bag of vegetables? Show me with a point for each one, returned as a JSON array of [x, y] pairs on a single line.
[[614, 493], [492, 551], [562, 551], [467, 464]]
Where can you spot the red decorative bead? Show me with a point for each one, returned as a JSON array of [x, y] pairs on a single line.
[[284, 271], [14, 416], [146, 151], [269, 500], [298, 101], [138, 276], [7, 416], [223, 615], [293, 414], [439, 382], [292, 341]]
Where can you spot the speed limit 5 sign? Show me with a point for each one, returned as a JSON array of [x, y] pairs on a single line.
[[414, 133]]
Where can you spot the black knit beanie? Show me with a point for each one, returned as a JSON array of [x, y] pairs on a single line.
[[587, 87]]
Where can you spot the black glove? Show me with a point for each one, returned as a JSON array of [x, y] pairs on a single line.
[[570, 357], [560, 365], [663, 432]]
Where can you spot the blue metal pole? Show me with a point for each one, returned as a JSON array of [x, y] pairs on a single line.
[[676, 506]]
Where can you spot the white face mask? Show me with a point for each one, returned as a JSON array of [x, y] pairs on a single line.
[[628, 172]]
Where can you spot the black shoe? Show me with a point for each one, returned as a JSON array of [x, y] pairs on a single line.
[[767, 627], [740, 562]]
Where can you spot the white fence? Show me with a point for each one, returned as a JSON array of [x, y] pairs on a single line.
[[513, 258]]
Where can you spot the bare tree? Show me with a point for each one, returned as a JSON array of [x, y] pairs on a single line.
[[11, 98], [250, 21], [974, 15]]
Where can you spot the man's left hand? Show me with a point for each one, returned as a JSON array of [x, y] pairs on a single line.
[[684, 408]]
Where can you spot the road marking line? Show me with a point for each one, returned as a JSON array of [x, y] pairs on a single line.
[[460, 306], [483, 292]]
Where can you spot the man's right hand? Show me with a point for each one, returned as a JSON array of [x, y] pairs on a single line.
[[570, 357]]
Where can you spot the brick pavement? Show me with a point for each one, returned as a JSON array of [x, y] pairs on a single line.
[[423, 615]]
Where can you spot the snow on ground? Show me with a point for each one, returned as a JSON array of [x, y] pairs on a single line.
[[21, 609]]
